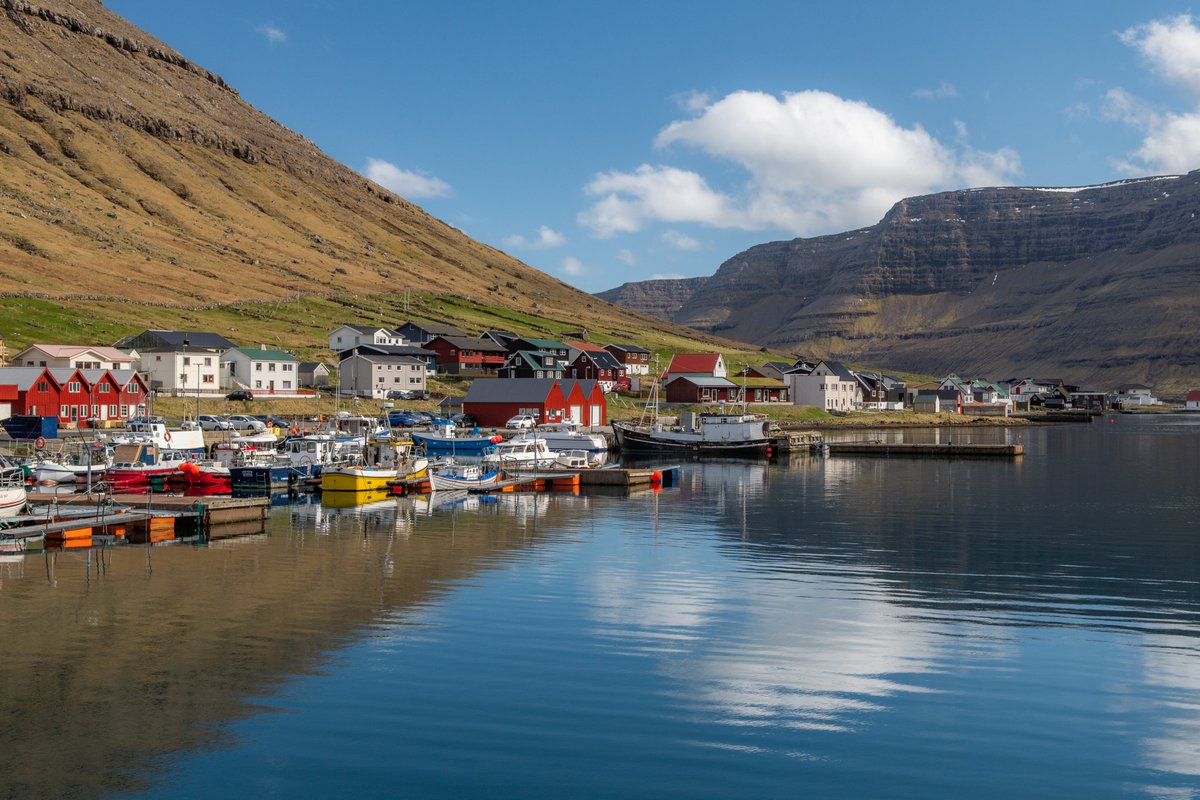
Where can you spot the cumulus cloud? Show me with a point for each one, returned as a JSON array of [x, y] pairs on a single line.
[[943, 91], [412, 185], [573, 267], [546, 238], [272, 33], [1171, 140], [680, 241], [667, 276], [814, 162]]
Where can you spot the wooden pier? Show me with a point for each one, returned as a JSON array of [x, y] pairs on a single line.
[[953, 450], [550, 480]]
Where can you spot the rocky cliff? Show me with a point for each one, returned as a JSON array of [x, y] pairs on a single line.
[[1099, 285]]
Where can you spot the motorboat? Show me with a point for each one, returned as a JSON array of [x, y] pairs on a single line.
[[136, 465], [153, 430], [72, 465], [12, 497], [383, 460], [569, 435], [452, 476], [298, 458], [521, 452], [448, 439]]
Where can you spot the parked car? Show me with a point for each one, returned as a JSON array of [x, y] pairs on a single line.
[[403, 394], [240, 394], [242, 422], [211, 422], [272, 422], [464, 420], [402, 419], [522, 421]]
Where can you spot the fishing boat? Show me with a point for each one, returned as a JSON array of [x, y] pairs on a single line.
[[216, 471], [446, 439], [383, 460], [521, 452], [72, 465], [706, 434], [299, 458], [452, 476], [140, 465]]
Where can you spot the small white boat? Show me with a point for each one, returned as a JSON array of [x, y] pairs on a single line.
[[154, 431], [12, 498], [70, 467], [521, 452], [449, 477], [570, 436]]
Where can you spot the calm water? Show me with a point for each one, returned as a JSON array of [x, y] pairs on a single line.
[[816, 628]]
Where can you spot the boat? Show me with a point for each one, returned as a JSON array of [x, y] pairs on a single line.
[[452, 476], [73, 466], [153, 430], [523, 452], [142, 464], [709, 434], [216, 471], [383, 460], [298, 458], [569, 435], [12, 497], [445, 439]]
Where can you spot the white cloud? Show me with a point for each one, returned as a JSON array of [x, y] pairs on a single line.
[[693, 101], [680, 241], [573, 267], [626, 256], [411, 185], [546, 238], [943, 91], [1171, 140], [816, 163], [273, 34], [667, 276]]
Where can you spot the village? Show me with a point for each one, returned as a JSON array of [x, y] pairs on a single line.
[[504, 374]]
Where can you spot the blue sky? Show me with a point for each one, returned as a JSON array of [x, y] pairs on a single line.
[[616, 141]]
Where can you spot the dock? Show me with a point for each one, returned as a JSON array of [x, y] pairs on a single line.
[[953, 450], [551, 480]]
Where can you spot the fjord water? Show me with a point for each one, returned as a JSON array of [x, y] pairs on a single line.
[[825, 627]]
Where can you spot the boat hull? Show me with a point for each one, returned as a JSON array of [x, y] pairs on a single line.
[[463, 446], [445, 483], [12, 501], [356, 479]]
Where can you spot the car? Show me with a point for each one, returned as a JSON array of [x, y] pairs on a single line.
[[242, 422], [272, 422], [464, 420], [401, 419], [523, 421], [240, 394], [403, 394], [211, 422]]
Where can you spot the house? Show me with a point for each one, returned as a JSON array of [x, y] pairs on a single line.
[[829, 386], [260, 369], [464, 355], [559, 349], [501, 338], [1054, 397], [133, 394], [636, 360], [32, 391], [536, 364], [708, 364], [374, 376], [770, 369], [426, 357], [592, 362], [79, 356], [765, 390], [179, 362], [880, 392], [1020, 389], [312, 374], [702, 389], [421, 332], [347, 337], [911, 390], [1192, 401], [1132, 394], [494, 402], [937, 401]]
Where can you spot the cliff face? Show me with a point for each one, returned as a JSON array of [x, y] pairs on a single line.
[[1099, 285], [129, 173]]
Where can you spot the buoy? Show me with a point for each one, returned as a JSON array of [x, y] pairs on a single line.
[[497, 439], [39, 442], [656, 477], [166, 436]]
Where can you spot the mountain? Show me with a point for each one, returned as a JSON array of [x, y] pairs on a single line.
[[135, 183], [1098, 285]]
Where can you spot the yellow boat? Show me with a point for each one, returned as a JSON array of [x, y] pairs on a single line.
[[383, 461]]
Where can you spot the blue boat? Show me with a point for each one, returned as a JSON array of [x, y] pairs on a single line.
[[444, 441]]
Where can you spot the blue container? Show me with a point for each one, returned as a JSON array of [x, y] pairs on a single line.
[[23, 426]]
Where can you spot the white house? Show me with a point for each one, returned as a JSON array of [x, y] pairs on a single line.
[[375, 376], [830, 386], [260, 369], [74, 356], [348, 337], [1132, 394]]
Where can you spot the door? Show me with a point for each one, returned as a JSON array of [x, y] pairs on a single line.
[[577, 415], [595, 417]]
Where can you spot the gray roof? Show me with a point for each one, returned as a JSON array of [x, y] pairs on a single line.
[[21, 377], [628, 348], [509, 390], [839, 369], [173, 340], [471, 343], [389, 350], [601, 358], [708, 382]]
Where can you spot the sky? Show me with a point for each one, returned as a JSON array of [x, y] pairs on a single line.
[[620, 141]]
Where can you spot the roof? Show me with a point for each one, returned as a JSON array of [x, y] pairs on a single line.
[[587, 386], [312, 366], [173, 340], [434, 328], [708, 382], [68, 350], [388, 350], [628, 348], [839, 369], [509, 390], [368, 328], [603, 359], [762, 383], [377, 359], [542, 344], [702, 363], [472, 343], [22, 377], [265, 354], [534, 359], [1192, 396], [587, 347]]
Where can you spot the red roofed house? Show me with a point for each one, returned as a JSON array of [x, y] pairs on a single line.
[[1192, 403], [710, 365], [74, 397]]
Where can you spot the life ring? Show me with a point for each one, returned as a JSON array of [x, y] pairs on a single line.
[[39, 442], [166, 436]]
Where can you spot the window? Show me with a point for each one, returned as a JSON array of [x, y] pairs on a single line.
[[208, 361], [287, 384], [271, 367], [187, 361], [208, 377], [73, 386], [112, 411], [288, 367], [258, 384], [258, 366], [104, 388]]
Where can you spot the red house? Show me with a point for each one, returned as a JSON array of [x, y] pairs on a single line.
[[494, 402], [134, 393], [593, 362], [702, 389], [74, 396], [34, 390], [462, 355], [585, 402], [710, 364]]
